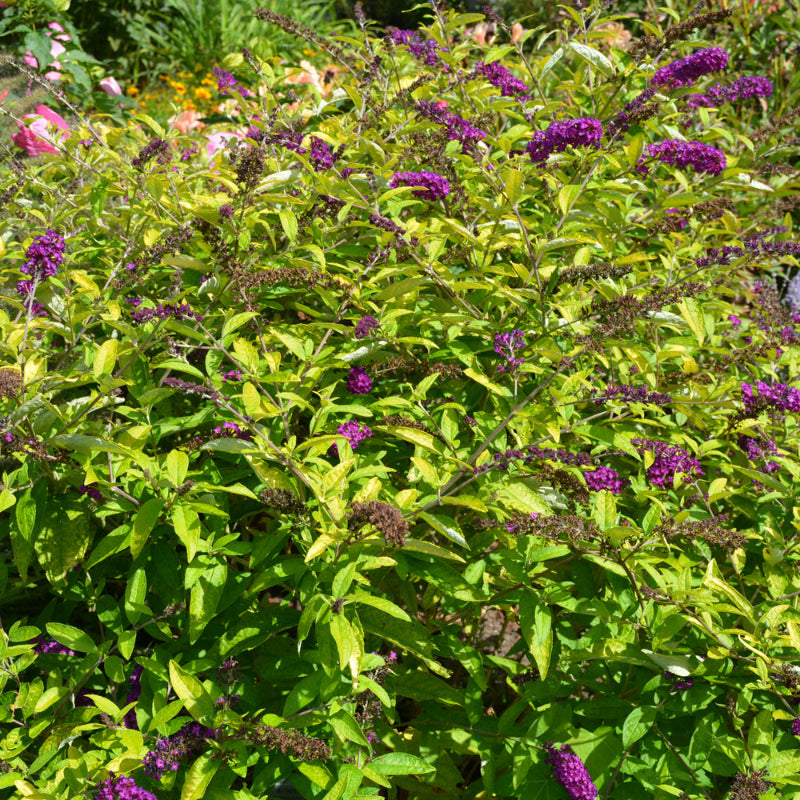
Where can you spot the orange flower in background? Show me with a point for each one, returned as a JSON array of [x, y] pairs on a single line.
[[201, 93], [187, 121], [517, 32], [614, 34], [310, 75]]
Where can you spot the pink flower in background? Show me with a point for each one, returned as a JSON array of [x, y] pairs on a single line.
[[217, 141], [39, 137], [110, 86], [4, 93], [56, 49]]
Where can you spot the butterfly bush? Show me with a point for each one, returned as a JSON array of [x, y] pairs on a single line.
[[685, 71], [568, 391], [679, 153]]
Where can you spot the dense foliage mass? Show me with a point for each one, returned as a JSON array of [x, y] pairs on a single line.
[[419, 425]]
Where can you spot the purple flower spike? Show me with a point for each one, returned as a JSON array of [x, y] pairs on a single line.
[[358, 382], [354, 432], [365, 327], [686, 71], [605, 478], [744, 88], [434, 185], [670, 460], [44, 256], [580, 132], [226, 82], [507, 345], [423, 49], [118, 787], [570, 772], [796, 726], [701, 157], [500, 77]]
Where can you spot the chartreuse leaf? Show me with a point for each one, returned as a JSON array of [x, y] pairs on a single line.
[[187, 527], [197, 701], [105, 358], [199, 776], [63, 538]]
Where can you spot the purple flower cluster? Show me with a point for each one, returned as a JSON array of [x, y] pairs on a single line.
[[680, 153], [170, 751], [678, 683], [226, 82], [157, 148], [320, 154], [188, 152], [744, 88], [230, 430], [44, 256], [531, 453], [632, 394], [365, 327], [605, 478], [570, 772], [177, 311], [91, 491], [670, 460], [134, 691], [507, 345], [500, 77], [760, 448], [232, 376], [458, 129], [685, 71], [434, 185], [354, 432], [121, 788], [45, 644], [796, 726], [776, 395], [424, 50], [583, 131], [358, 382]]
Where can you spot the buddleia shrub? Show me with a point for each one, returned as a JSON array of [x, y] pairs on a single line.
[[435, 436]]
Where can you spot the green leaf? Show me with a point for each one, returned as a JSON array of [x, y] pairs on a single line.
[[346, 728], [594, 57], [187, 527], [536, 626], [143, 524], [636, 724], [71, 636], [197, 701], [567, 197], [135, 593], [288, 223], [691, 312], [513, 185], [63, 538], [126, 641], [519, 497], [401, 764], [605, 509], [343, 636], [105, 358], [177, 467], [199, 776], [205, 595]]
